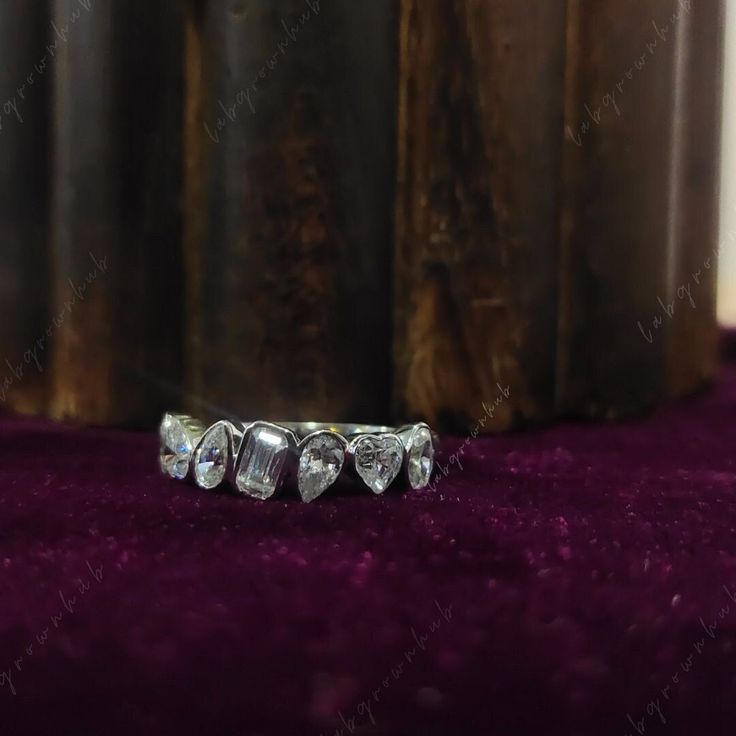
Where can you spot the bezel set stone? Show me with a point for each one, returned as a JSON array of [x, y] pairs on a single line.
[[321, 460], [211, 459], [377, 459], [178, 436], [257, 458], [419, 445], [259, 471]]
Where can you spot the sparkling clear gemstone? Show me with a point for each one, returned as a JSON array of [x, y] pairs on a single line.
[[378, 461], [177, 444], [420, 462], [320, 463], [265, 452], [210, 458]]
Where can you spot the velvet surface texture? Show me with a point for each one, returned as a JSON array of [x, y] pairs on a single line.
[[574, 580]]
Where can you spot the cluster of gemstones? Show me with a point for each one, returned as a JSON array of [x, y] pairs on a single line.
[[257, 458]]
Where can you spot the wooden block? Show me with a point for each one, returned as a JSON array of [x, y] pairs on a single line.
[[481, 106], [24, 278], [617, 241], [693, 339], [116, 216], [290, 138]]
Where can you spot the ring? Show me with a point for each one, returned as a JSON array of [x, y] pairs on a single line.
[[257, 458]]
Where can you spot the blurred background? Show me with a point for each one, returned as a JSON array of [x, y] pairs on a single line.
[[402, 209], [727, 276]]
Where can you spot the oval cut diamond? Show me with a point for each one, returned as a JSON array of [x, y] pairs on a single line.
[[320, 463], [211, 457], [177, 444], [420, 461]]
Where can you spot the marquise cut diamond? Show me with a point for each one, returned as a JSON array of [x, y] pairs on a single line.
[[378, 460], [177, 443], [420, 460], [320, 463]]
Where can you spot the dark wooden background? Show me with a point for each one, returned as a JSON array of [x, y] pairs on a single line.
[[357, 210]]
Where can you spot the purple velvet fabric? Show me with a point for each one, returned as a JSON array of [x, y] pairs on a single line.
[[576, 580]]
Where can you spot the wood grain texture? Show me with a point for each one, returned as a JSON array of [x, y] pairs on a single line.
[[481, 106], [693, 353], [617, 245], [24, 171], [393, 209], [117, 254], [290, 135]]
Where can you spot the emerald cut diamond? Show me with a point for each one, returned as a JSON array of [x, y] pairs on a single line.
[[261, 466]]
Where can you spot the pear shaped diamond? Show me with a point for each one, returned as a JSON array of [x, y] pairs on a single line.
[[378, 460], [320, 462], [178, 435], [420, 457], [211, 457]]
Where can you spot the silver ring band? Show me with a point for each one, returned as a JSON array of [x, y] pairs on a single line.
[[257, 458], [304, 429]]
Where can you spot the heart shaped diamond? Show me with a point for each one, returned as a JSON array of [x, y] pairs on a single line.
[[378, 460]]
